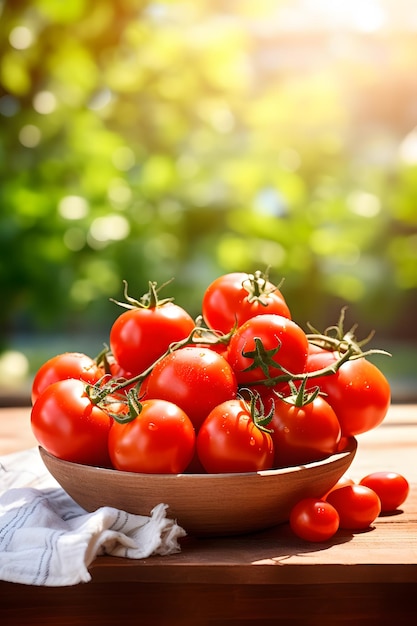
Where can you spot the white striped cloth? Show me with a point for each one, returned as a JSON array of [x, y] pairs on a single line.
[[47, 539]]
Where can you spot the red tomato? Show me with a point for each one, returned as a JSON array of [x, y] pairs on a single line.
[[113, 369], [68, 425], [284, 342], [342, 482], [220, 348], [314, 520], [230, 441], [357, 505], [233, 298], [391, 488], [62, 366], [160, 440], [302, 434], [140, 336], [194, 378], [358, 392]]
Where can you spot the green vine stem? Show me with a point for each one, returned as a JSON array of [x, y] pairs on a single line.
[[288, 376], [200, 335], [149, 300], [259, 288], [334, 339]]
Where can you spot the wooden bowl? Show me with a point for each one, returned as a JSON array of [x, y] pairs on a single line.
[[203, 504]]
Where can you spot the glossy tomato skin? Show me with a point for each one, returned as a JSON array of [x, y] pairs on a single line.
[[392, 488], [194, 378], [62, 366], [275, 332], [230, 441], [139, 336], [342, 482], [358, 392], [160, 440], [314, 520], [68, 425], [302, 434], [357, 505], [226, 302]]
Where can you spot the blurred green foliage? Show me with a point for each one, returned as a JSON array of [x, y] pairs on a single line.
[[149, 140]]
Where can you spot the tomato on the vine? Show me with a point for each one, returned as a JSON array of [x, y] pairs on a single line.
[[233, 298], [265, 344], [159, 440], [357, 505], [302, 432], [62, 366], [230, 441], [358, 392], [195, 378], [143, 333], [392, 488], [69, 425], [314, 520]]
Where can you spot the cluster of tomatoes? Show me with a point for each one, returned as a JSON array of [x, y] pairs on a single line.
[[242, 388], [349, 505]]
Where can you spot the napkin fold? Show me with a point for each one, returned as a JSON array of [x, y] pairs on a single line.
[[47, 539]]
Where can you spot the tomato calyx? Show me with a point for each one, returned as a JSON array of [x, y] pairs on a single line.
[[300, 396], [336, 339], [263, 359], [149, 300], [103, 360], [256, 409], [122, 407], [132, 407], [258, 287], [208, 336], [98, 392]]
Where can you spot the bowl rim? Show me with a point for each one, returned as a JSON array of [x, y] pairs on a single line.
[[349, 448]]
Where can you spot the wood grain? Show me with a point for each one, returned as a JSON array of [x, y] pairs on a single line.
[[15, 430], [263, 578]]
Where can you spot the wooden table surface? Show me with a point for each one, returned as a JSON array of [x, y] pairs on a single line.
[[265, 578]]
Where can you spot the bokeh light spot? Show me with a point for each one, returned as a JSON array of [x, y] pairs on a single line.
[[21, 37], [108, 228], [14, 367], [364, 204], [119, 193], [30, 136], [73, 207], [44, 102], [74, 239], [123, 158]]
